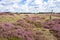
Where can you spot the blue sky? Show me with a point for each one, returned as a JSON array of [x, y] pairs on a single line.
[[29, 5]]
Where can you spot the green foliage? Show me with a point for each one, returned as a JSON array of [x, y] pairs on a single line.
[[14, 38]]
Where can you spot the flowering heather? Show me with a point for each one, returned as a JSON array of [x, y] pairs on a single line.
[[29, 28], [54, 26]]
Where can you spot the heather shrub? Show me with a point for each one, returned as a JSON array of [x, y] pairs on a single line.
[[23, 23], [34, 20], [54, 27], [28, 28]]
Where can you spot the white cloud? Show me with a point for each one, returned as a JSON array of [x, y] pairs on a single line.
[[24, 8], [58, 0], [38, 6], [28, 1], [38, 1]]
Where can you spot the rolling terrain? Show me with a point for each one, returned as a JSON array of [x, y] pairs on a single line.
[[29, 26]]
